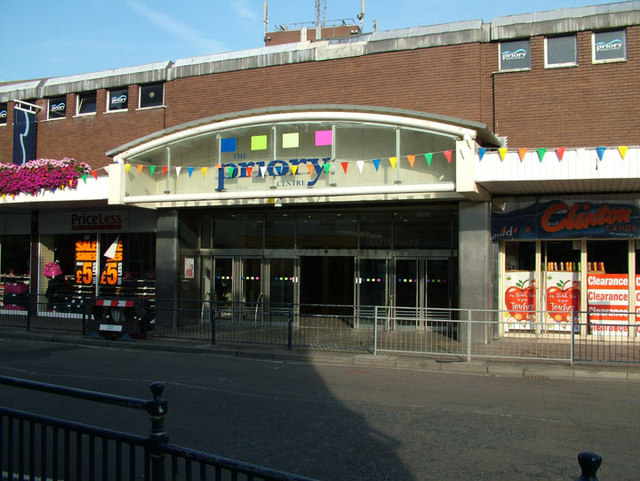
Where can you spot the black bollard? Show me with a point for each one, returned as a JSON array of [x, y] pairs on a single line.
[[589, 463], [157, 410]]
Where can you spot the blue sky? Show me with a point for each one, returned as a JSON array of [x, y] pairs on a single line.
[[51, 39]]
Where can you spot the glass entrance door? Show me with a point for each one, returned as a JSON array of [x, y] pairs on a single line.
[[282, 292]]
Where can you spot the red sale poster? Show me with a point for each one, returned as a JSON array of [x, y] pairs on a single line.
[[519, 300], [608, 303], [562, 299]]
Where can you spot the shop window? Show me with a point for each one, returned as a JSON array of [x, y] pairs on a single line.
[[57, 108], [15, 251], [520, 256], [561, 256], [151, 95], [375, 231], [238, 231], [608, 257], [3, 114], [428, 229], [515, 55], [326, 230], [86, 103], [118, 100], [561, 51], [280, 231], [609, 46]]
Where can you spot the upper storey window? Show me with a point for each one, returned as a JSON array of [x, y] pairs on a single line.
[[151, 95], [609, 46], [561, 51], [3, 114], [86, 103], [515, 55], [118, 100], [57, 108]]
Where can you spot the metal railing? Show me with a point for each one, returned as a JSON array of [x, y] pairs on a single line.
[[463, 333], [34, 446]]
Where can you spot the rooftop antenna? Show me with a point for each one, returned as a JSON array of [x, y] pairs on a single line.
[[361, 16], [266, 19], [321, 17]]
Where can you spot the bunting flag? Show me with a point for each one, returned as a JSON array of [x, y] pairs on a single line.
[[95, 174], [560, 153], [601, 151], [152, 169], [204, 171], [294, 169], [232, 171], [263, 171], [327, 167], [522, 153], [310, 168], [164, 170], [345, 166], [428, 158], [623, 150], [503, 152], [376, 164], [393, 161], [84, 178], [249, 171], [127, 167], [70, 182], [178, 169], [360, 164], [190, 170], [447, 154], [541, 152], [140, 168], [410, 158], [481, 152]]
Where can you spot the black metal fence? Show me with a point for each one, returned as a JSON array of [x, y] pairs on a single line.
[[34, 446]]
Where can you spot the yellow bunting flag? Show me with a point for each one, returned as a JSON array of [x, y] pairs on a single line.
[[127, 167], [623, 150], [393, 161], [522, 153], [503, 151], [204, 171], [4, 196], [294, 169], [411, 159]]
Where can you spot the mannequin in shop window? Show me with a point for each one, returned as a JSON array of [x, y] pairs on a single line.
[[58, 290]]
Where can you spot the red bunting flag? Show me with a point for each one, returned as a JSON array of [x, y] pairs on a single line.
[[447, 154], [345, 166], [95, 174], [164, 170], [560, 152]]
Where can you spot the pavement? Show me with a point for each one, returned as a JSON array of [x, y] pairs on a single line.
[[532, 369]]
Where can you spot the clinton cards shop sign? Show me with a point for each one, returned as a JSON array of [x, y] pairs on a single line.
[[560, 219]]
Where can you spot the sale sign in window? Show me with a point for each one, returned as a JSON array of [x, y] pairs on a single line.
[[608, 303], [86, 264]]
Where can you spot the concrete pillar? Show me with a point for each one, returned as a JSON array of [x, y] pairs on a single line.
[[167, 272], [476, 267]]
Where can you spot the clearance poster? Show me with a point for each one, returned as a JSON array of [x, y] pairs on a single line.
[[562, 299], [86, 261], [519, 300], [608, 303]]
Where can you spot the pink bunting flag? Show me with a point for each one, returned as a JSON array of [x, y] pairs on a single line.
[[447, 154]]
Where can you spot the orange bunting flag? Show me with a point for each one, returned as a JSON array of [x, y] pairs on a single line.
[[503, 152], [393, 161], [70, 182], [447, 154], [623, 150], [560, 152], [345, 166], [140, 168], [165, 169], [522, 153], [95, 174], [310, 168], [127, 167], [411, 159]]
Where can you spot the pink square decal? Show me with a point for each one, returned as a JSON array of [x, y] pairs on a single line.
[[324, 137]]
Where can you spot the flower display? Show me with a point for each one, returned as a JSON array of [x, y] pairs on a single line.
[[41, 174]]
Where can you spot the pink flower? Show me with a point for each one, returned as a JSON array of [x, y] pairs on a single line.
[[41, 174]]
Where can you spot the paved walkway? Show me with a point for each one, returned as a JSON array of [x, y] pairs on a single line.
[[526, 369]]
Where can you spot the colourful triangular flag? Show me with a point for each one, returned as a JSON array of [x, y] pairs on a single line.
[[178, 169], [165, 169], [447, 155], [249, 171], [360, 164], [345, 166], [294, 169], [204, 171], [127, 167], [600, 151], [232, 171], [95, 174], [376, 164], [393, 161], [481, 152], [411, 159], [310, 168], [326, 167], [560, 152], [503, 152], [541, 152], [428, 157], [84, 178], [522, 153], [152, 169], [263, 171], [623, 150], [190, 170], [140, 168]]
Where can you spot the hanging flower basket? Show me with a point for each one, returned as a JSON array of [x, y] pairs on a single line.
[[41, 174]]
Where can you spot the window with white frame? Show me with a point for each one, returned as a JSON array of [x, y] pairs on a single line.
[[86, 103], [561, 51], [57, 108], [151, 95], [3, 114], [118, 100], [609, 46], [515, 55]]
